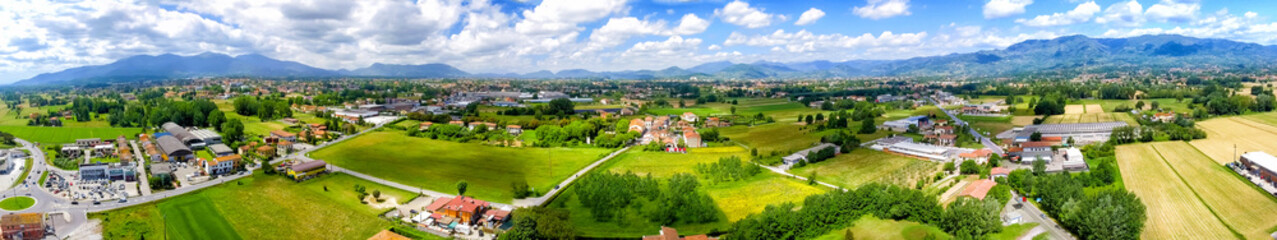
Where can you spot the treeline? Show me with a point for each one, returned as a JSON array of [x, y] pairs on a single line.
[[197, 113], [269, 108], [728, 169], [609, 195], [1179, 129], [820, 214]]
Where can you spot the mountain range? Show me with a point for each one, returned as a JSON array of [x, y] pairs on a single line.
[[1064, 55]]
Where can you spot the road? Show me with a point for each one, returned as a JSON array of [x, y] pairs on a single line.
[[983, 140], [1031, 213]]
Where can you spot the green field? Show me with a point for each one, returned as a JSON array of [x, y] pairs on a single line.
[[735, 199], [862, 166], [1168, 104], [59, 135], [195, 217], [438, 165], [663, 164], [870, 227], [263, 207], [17, 203], [782, 138]]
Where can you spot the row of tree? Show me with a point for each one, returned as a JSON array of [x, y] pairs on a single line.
[[728, 169], [609, 195]]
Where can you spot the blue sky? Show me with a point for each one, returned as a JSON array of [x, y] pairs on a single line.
[[498, 36]]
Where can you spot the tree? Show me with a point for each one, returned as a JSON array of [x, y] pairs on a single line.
[[969, 167], [1155, 105], [733, 109], [949, 166], [376, 194], [1036, 136], [1039, 167], [540, 223], [867, 126], [461, 187], [1139, 105], [233, 130], [1109, 214], [561, 107], [970, 218], [809, 119], [216, 118]]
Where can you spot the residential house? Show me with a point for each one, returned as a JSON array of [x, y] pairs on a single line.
[[979, 156], [637, 125], [668, 233], [689, 117], [283, 135], [266, 151], [388, 235], [463, 210], [978, 189], [1164, 117], [514, 129], [220, 150], [691, 138], [999, 172], [221, 165], [425, 125]]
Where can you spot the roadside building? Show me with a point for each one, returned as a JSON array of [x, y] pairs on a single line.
[[25, 226], [902, 125], [979, 156], [1033, 151], [306, 170], [88, 142], [802, 155], [999, 172], [918, 150], [173, 150], [221, 165], [457, 213], [106, 171], [1074, 160], [1261, 164], [71, 151], [162, 169], [1082, 133]]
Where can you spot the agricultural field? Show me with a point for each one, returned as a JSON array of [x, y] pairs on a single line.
[[59, 135], [1251, 212], [1168, 104], [1023, 120], [862, 166], [1269, 118], [1090, 117], [255, 210], [631, 223], [739, 199], [1225, 133], [663, 164], [782, 138], [438, 165], [872, 228], [1174, 210]]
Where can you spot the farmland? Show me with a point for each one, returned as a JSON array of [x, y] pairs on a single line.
[[1174, 211], [1089, 115], [662, 164], [741, 198], [256, 210], [1225, 133], [861, 166], [1239, 205], [57, 135], [438, 165], [779, 137], [870, 227]]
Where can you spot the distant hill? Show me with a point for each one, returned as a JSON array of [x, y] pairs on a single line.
[[1070, 54]]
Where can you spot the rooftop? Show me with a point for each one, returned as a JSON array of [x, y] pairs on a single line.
[[1262, 159]]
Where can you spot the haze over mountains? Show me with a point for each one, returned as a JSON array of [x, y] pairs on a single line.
[[1071, 54]]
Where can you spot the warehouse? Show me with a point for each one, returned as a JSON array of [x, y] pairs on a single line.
[[188, 139], [1261, 164], [1082, 133]]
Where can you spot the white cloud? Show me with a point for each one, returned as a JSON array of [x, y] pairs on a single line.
[[804, 41], [714, 47], [740, 13], [673, 46], [1175, 11], [690, 24], [809, 17], [1129, 13], [1004, 8], [554, 17], [1246, 28], [880, 9], [1082, 13]]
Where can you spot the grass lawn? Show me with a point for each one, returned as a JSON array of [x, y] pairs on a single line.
[[861, 166], [1014, 231], [872, 228], [203, 154], [264, 207], [663, 164], [438, 165], [17, 203], [1168, 104], [59, 135], [43, 176], [630, 224]]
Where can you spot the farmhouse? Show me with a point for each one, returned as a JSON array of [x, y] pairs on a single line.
[[388, 235], [425, 125], [691, 138], [306, 170], [802, 155], [182, 135], [1261, 164], [172, 149], [221, 165], [283, 135], [637, 125], [22, 226], [978, 189], [514, 129], [689, 117], [668, 233], [457, 213], [979, 156], [1082, 133]]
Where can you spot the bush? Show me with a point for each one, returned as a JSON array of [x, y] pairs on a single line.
[[970, 167]]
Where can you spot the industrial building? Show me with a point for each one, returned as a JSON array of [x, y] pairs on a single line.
[[1081, 133]]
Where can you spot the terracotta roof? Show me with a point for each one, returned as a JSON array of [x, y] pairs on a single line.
[[999, 171], [438, 203], [1037, 144], [232, 158], [388, 235], [282, 133], [948, 136], [978, 189], [976, 154], [1050, 139], [21, 219], [465, 204]]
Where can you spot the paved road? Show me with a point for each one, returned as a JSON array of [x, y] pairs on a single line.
[[783, 172], [984, 140], [1033, 214]]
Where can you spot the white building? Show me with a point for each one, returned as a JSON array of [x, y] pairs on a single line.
[[924, 151], [1074, 160]]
